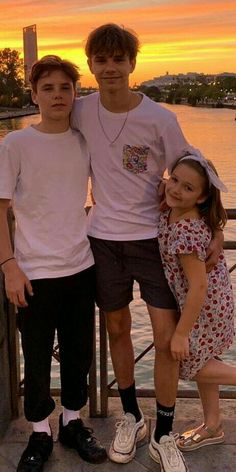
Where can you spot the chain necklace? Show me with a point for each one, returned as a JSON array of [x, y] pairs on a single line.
[[111, 141]]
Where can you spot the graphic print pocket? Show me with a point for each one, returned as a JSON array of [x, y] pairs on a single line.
[[135, 158]]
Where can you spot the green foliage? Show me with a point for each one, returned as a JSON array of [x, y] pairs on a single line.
[[199, 92], [152, 92], [11, 83]]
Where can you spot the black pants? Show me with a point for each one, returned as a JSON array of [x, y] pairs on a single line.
[[65, 304]]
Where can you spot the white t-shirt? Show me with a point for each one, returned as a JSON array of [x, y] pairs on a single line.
[[125, 175], [46, 176]]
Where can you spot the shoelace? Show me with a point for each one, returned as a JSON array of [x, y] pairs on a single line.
[[85, 433], [171, 451], [123, 429]]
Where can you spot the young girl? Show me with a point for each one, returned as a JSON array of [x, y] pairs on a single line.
[[206, 323]]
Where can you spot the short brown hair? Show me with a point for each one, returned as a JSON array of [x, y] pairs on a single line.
[[49, 64], [110, 38]]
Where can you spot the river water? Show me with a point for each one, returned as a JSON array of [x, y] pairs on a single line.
[[214, 132]]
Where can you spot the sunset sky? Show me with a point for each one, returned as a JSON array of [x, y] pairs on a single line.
[[176, 35]]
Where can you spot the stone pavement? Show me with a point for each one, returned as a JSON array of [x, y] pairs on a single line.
[[208, 459]]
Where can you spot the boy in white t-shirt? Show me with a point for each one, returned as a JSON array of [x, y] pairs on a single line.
[[132, 140], [50, 278]]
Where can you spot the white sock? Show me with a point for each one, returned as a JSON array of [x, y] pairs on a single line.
[[42, 426], [69, 415]]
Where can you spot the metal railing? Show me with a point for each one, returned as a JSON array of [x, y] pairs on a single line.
[[98, 401], [108, 390]]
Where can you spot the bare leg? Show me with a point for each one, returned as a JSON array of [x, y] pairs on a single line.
[[209, 394], [208, 379], [121, 348], [166, 370], [211, 432], [217, 372]]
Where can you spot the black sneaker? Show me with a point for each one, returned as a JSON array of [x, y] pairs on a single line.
[[37, 452], [77, 436]]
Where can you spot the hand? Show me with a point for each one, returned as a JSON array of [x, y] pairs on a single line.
[[214, 249], [15, 284], [161, 194], [179, 347]]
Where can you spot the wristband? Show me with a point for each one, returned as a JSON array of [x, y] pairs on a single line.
[[4, 262]]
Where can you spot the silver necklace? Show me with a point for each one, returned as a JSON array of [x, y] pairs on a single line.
[[111, 141]]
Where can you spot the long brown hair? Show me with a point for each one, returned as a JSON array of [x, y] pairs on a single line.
[[212, 208]]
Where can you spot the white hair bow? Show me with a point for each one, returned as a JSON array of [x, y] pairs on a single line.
[[213, 178]]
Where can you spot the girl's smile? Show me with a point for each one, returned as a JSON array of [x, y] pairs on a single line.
[[185, 188]]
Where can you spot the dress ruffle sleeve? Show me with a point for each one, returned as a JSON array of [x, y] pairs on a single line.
[[188, 237]]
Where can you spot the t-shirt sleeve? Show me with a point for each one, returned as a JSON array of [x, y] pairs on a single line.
[[174, 143], [187, 240], [9, 170], [74, 116]]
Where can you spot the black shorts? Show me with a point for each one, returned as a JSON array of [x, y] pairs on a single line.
[[119, 264]]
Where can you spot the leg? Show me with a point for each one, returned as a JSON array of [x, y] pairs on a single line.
[[209, 394], [166, 370], [208, 379], [121, 348], [210, 432], [162, 447], [217, 372], [75, 325], [132, 427], [37, 327]]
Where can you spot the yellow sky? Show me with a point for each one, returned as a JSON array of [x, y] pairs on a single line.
[[176, 35]]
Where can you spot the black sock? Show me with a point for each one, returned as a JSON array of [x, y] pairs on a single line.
[[165, 417], [129, 401]]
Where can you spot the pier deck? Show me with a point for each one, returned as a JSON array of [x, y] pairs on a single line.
[[208, 459]]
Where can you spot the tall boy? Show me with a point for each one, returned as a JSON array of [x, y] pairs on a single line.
[[131, 140], [50, 278]]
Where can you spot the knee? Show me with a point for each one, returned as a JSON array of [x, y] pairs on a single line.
[[162, 343], [118, 329]]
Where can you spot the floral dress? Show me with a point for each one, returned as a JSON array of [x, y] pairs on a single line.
[[213, 330]]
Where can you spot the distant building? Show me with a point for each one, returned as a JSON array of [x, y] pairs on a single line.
[[30, 49]]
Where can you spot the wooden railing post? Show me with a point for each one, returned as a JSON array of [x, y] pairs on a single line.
[[93, 378], [103, 364]]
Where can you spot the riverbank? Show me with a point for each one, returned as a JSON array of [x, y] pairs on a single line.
[[8, 114]]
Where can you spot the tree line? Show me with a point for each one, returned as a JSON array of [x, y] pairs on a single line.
[[13, 93], [193, 93]]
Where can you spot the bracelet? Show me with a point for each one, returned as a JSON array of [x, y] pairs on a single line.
[[4, 262]]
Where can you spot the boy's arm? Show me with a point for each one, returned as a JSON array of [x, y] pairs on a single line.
[[195, 272], [15, 279], [214, 249]]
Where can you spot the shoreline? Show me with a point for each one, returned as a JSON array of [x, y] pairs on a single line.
[[10, 114]]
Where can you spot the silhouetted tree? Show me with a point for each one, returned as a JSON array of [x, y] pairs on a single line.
[[11, 82]]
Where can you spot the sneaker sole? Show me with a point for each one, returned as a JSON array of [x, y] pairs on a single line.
[[98, 460], [154, 454], [120, 458]]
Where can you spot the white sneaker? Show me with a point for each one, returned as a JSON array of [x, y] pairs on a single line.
[[167, 454], [128, 432]]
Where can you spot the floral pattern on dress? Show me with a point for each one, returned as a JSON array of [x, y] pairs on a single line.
[[213, 331]]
